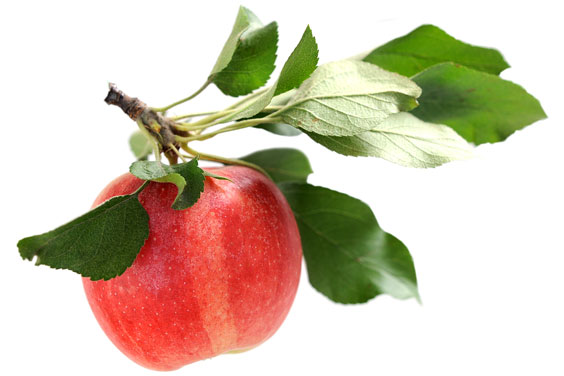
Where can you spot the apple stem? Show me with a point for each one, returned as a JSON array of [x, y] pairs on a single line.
[[159, 127], [132, 107], [168, 136]]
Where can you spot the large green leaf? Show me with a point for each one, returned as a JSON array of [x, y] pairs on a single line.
[[247, 59], [349, 258], [402, 139], [101, 244], [348, 97], [428, 45], [282, 164], [481, 107], [188, 178]]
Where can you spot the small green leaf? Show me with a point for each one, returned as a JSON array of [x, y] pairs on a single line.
[[280, 129], [300, 65], [481, 107], [188, 178], [402, 139], [428, 45], [245, 20], [150, 170], [282, 164], [247, 59], [140, 145], [101, 244], [348, 97], [349, 258]]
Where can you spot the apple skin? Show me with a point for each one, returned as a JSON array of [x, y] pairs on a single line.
[[217, 277]]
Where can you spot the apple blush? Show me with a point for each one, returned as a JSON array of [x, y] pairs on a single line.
[[217, 277]]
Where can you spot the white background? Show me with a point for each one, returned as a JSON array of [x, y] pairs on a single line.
[[485, 234]]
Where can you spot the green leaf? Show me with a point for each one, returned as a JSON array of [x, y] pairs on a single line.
[[245, 20], [428, 45], [349, 258], [348, 97], [188, 178], [481, 107], [140, 145], [194, 177], [101, 244], [282, 164], [402, 139], [247, 59], [300, 65], [280, 129]]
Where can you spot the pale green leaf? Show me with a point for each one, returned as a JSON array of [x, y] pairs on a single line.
[[348, 97], [140, 145], [402, 139]]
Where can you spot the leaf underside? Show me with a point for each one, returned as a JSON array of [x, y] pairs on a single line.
[[348, 97], [402, 139]]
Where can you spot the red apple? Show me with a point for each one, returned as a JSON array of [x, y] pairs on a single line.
[[217, 277]]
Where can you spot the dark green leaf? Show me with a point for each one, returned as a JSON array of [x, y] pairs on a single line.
[[246, 20], [101, 244], [481, 107], [188, 178], [280, 129], [428, 45], [282, 164], [252, 62], [349, 258], [300, 65], [348, 97], [402, 139], [194, 177], [140, 145]]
